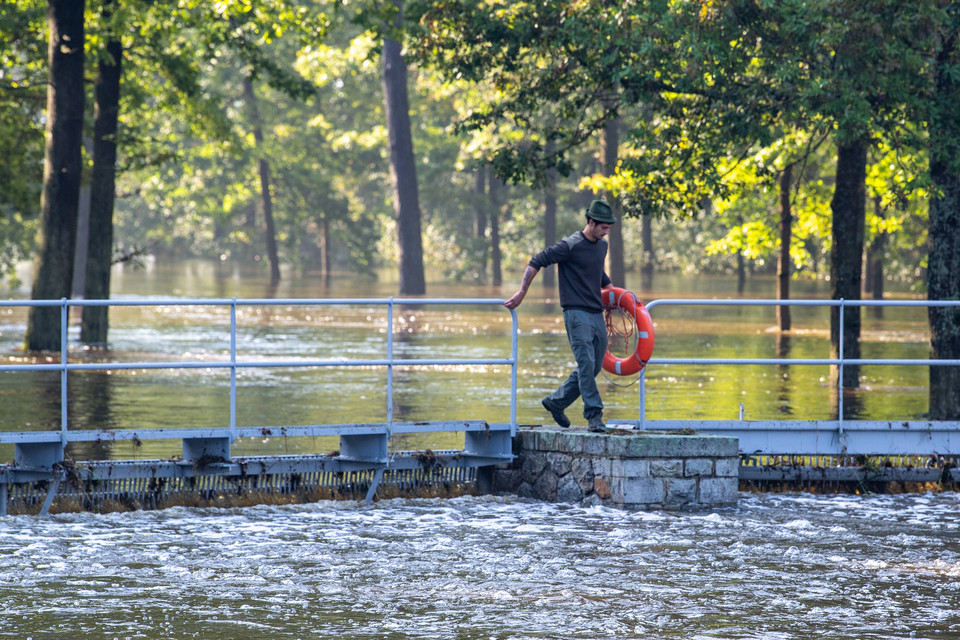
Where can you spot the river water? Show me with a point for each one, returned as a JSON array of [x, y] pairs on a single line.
[[778, 566]]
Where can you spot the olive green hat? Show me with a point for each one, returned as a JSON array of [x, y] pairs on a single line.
[[601, 212]]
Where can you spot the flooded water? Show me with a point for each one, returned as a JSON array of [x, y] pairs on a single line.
[[289, 396], [779, 566]]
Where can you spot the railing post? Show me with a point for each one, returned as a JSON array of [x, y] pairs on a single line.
[[233, 368], [840, 373], [642, 402], [389, 365], [515, 356], [64, 317]]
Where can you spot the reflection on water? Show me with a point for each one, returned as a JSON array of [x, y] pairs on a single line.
[[778, 566], [332, 395]]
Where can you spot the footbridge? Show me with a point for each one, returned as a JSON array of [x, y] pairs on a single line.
[[772, 451], [363, 464]]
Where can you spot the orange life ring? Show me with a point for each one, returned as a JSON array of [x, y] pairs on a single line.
[[615, 297]]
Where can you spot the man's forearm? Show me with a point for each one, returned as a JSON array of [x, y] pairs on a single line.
[[528, 276], [514, 301]]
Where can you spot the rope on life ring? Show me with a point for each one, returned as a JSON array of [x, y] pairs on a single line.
[[626, 301]]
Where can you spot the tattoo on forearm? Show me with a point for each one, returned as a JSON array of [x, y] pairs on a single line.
[[527, 278]]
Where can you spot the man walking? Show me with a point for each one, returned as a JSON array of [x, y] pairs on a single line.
[[579, 258]]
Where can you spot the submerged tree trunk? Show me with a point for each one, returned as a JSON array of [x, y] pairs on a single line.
[[648, 258], [481, 205], [53, 273], [741, 272], [611, 144], [943, 275], [846, 254], [786, 237], [95, 324], [406, 199], [550, 225], [325, 248], [496, 194], [873, 281], [263, 169]]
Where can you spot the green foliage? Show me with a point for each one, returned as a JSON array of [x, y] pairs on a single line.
[[22, 97], [716, 97]]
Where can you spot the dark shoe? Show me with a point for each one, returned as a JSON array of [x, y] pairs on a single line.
[[558, 415], [596, 425]]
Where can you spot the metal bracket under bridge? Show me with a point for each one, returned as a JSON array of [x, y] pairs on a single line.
[[364, 450]]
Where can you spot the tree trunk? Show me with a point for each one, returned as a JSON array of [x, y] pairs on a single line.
[[783, 261], [481, 204], [943, 282], [82, 246], [741, 272], [846, 254], [106, 91], [611, 143], [496, 193], [550, 225], [263, 168], [874, 279], [53, 273], [646, 264], [325, 248], [403, 172]]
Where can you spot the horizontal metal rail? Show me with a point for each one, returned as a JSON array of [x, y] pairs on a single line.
[[818, 437]]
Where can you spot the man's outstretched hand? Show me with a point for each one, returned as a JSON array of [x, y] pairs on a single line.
[[514, 301]]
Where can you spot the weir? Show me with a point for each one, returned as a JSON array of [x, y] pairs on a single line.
[[844, 454]]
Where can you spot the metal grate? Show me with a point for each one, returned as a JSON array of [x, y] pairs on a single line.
[[81, 491]]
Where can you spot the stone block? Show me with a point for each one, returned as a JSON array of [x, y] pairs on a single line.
[[616, 484], [569, 442], [634, 468], [569, 491], [545, 488], [698, 467], [618, 446], [727, 447], [666, 468], [593, 500], [594, 444], [506, 480], [601, 488], [560, 463], [603, 467], [582, 470], [546, 439], [525, 490], [728, 467], [718, 492], [533, 465], [641, 492], [679, 446], [681, 492]]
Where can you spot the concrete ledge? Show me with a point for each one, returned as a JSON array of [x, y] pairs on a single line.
[[622, 468]]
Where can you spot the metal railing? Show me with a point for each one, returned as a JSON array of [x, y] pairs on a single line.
[[830, 437], [798, 436], [363, 460], [234, 363]]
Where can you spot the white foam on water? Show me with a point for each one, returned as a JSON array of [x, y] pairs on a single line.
[[489, 567]]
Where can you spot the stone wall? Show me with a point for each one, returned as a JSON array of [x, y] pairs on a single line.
[[622, 468]]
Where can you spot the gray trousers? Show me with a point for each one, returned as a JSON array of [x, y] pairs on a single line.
[[587, 333]]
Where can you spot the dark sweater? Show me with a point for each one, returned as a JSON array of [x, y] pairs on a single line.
[[580, 266]]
